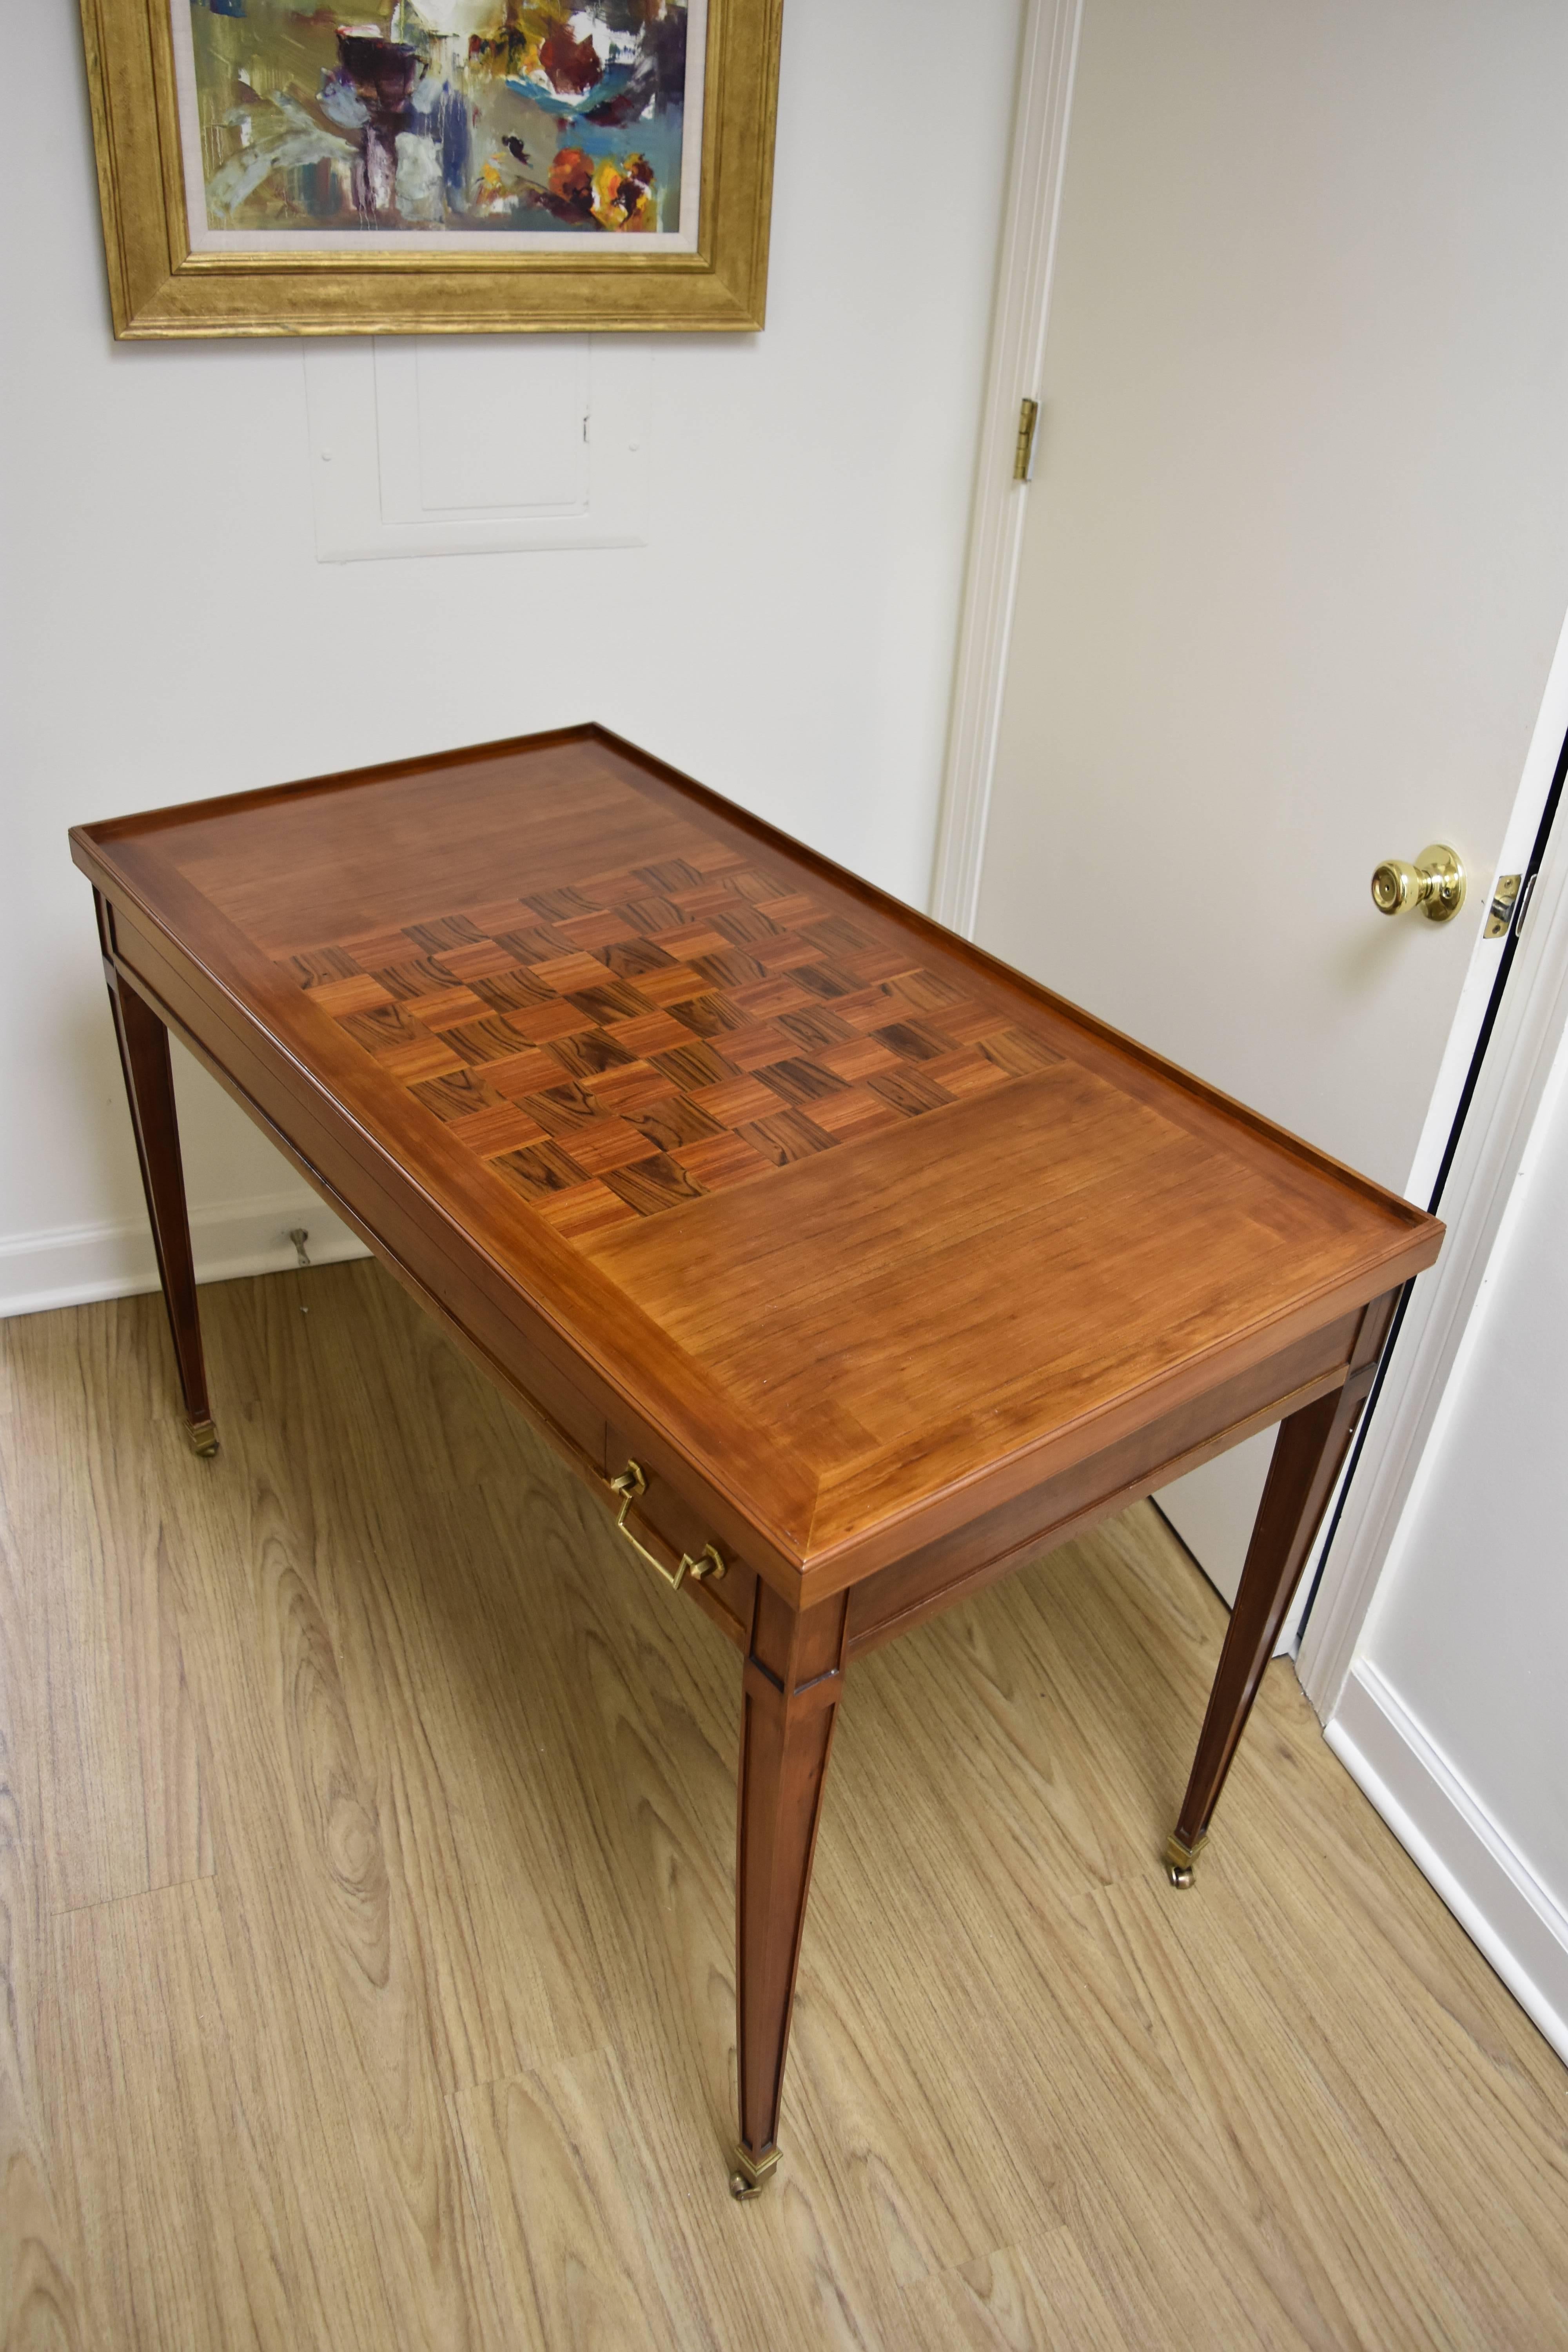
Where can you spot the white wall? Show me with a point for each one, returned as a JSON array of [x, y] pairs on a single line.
[[786, 635], [1455, 1715]]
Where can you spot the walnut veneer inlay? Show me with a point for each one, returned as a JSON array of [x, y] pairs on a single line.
[[627, 1044]]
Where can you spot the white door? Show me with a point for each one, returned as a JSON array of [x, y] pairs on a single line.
[[1296, 550]]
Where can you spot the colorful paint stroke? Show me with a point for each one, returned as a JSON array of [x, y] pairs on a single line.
[[518, 118]]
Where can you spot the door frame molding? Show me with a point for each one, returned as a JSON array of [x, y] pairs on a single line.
[[1382, 1484], [1048, 60]]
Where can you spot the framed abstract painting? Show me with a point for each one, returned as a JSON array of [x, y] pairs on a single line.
[[443, 166]]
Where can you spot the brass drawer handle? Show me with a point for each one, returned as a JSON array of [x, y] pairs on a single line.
[[710, 1564]]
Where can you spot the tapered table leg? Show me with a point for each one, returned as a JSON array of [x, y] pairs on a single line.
[[150, 1087], [1308, 1454], [794, 1677]]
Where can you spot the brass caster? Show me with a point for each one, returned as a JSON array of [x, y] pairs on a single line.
[[1181, 1858], [752, 2175], [203, 1435]]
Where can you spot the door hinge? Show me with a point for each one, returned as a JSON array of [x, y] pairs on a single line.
[[1024, 447]]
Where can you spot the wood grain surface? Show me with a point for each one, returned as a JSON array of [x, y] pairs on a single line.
[[858, 1232], [368, 1925]]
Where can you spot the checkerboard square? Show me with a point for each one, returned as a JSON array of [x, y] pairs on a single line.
[[654, 1184], [589, 1051], [512, 989], [617, 1000], [826, 978], [491, 1038], [564, 1106], [855, 1113], [758, 1042], [385, 1027], [817, 1026], [633, 958], [707, 898], [925, 992], [476, 962], [689, 940], [318, 965], [866, 1008], [563, 973], [965, 1071], [791, 910], [735, 1099], [537, 1170], [414, 976], [787, 1136], [580, 1211], [650, 1033], [729, 968], [967, 1023], [696, 1065], [862, 1057], [594, 931], [540, 1024], [764, 999], [491, 1132], [675, 1120], [784, 954], [446, 1007], [607, 1144], [876, 963], [359, 994], [535, 943], [799, 1081], [913, 1041], [712, 1015], [673, 983], [525, 1074], [910, 1091], [720, 1161], [426, 1057], [552, 906], [632, 1088], [457, 1095]]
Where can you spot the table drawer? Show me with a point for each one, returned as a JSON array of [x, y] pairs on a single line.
[[673, 1539]]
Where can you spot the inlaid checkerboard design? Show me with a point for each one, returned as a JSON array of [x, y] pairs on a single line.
[[645, 1037]]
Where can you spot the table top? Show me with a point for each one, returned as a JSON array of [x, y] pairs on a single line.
[[851, 1212]]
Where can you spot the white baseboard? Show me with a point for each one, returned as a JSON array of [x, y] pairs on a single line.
[[1455, 1842], [77, 1263]]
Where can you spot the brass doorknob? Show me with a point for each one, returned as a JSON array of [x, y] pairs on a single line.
[[1436, 883]]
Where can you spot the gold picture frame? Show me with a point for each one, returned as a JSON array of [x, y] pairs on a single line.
[[163, 282]]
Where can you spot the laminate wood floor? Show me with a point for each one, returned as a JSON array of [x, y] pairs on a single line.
[[365, 1879]]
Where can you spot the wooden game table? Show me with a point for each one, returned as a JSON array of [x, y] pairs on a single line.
[[850, 1268]]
